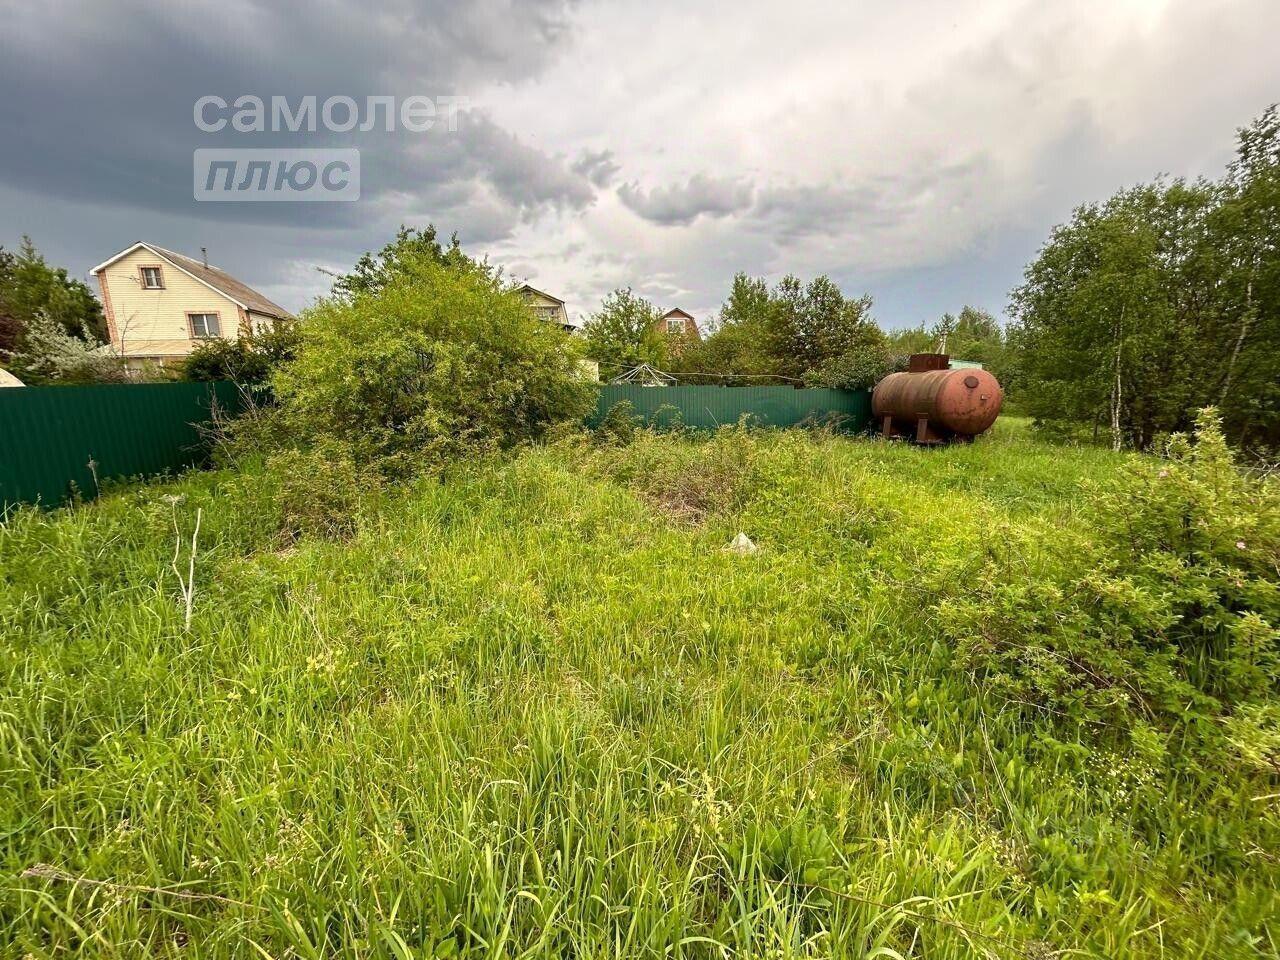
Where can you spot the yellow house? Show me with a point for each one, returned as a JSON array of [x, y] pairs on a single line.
[[552, 309], [160, 305], [547, 307]]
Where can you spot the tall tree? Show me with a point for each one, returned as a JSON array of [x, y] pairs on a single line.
[[29, 288], [1245, 229], [798, 331], [1162, 300], [1095, 318], [624, 333]]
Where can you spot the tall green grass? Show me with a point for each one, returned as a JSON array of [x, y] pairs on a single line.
[[536, 710]]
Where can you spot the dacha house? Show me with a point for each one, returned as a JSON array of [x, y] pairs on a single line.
[[161, 305]]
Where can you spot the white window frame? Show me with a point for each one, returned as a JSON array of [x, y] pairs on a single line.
[[206, 335]]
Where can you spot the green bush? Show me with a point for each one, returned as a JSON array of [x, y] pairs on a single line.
[[249, 361], [1167, 613], [441, 360], [619, 424], [859, 369]]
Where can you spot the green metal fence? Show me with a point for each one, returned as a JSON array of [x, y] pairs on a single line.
[[50, 435], [711, 407]]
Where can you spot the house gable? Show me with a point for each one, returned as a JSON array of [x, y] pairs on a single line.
[[546, 306], [156, 321], [150, 296], [678, 321]]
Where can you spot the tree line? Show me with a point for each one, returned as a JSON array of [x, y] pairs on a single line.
[[1159, 301], [797, 332], [1135, 314]]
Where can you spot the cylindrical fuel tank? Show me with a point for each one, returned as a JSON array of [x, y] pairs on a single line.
[[961, 403]]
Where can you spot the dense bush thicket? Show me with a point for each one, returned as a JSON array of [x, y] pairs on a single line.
[[1166, 614], [249, 361], [434, 361]]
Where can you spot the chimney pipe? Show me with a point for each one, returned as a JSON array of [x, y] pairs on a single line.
[[204, 256]]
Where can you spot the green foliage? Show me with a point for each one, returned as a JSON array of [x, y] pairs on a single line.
[[522, 709], [30, 288], [51, 327], [320, 493], [249, 361], [1167, 614], [438, 361], [374, 272], [1160, 301], [47, 354], [624, 333], [619, 424], [810, 333], [687, 481], [740, 341], [972, 335]]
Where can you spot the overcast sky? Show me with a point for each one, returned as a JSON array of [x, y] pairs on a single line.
[[916, 151]]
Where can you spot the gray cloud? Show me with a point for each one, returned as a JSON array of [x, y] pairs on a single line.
[[882, 201], [681, 204], [598, 166], [103, 97], [928, 175]]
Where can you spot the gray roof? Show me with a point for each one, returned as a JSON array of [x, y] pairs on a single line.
[[223, 281]]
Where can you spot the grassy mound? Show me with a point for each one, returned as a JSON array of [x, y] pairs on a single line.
[[536, 710]]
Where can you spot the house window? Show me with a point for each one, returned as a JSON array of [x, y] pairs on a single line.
[[204, 325], [675, 326], [152, 279]]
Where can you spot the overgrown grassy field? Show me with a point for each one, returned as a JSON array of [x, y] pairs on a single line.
[[535, 709]]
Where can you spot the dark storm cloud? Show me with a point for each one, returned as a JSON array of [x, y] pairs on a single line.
[[681, 203], [98, 99]]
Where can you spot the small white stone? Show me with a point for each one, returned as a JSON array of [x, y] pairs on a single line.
[[742, 545]]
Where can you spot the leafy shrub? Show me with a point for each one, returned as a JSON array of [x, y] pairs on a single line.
[[322, 492], [619, 424], [440, 360], [857, 369], [1170, 612], [1206, 537], [319, 493], [249, 361]]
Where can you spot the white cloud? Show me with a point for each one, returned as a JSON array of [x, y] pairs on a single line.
[[869, 139]]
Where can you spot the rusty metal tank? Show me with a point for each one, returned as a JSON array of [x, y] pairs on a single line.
[[934, 404]]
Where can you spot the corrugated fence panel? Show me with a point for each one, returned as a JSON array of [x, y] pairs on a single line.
[[711, 407], [48, 435]]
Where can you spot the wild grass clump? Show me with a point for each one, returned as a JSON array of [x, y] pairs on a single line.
[[684, 475], [527, 709]]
